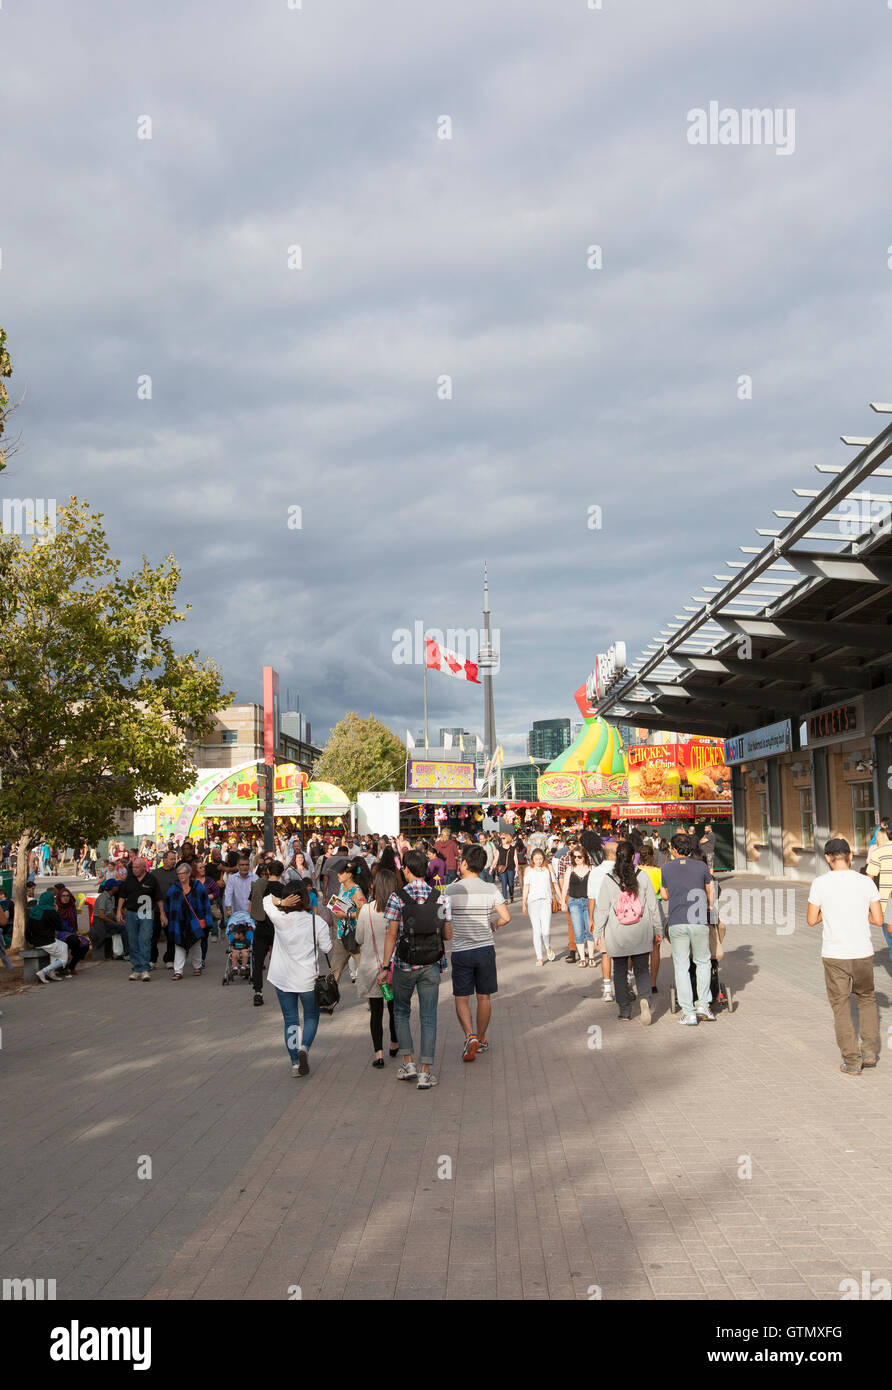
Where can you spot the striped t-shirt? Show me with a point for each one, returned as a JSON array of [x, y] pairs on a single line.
[[472, 901], [880, 857]]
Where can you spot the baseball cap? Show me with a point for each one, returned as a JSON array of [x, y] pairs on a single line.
[[837, 846]]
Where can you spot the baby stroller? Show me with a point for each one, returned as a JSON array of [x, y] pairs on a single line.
[[239, 938]]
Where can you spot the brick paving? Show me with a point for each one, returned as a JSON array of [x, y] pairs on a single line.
[[576, 1170]]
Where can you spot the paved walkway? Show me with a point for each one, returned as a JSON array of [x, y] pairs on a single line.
[[620, 1168]]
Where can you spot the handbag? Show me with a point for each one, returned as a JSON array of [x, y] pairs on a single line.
[[325, 987], [388, 979], [201, 925], [555, 895]]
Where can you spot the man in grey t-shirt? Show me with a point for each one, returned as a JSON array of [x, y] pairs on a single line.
[[472, 903]]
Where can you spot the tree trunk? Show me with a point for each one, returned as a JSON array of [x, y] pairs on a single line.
[[27, 840]]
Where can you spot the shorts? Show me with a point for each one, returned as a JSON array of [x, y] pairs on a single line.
[[474, 971]]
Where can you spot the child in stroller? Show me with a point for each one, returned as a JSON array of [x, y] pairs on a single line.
[[239, 938]]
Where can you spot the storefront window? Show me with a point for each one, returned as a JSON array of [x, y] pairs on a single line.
[[863, 815], [806, 818], [763, 814]]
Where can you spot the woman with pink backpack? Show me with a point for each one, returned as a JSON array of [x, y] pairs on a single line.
[[627, 923]]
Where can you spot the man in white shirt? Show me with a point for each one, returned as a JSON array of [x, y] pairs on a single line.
[[847, 904], [237, 896]]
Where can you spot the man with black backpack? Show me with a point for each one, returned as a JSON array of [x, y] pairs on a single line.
[[419, 918]]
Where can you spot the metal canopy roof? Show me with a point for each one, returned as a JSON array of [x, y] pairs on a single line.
[[805, 622]]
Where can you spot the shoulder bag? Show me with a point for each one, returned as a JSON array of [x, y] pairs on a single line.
[[326, 986]]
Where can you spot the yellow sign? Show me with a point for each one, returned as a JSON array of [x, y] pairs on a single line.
[[435, 776]]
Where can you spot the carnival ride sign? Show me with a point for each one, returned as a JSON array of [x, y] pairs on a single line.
[[593, 788], [425, 775]]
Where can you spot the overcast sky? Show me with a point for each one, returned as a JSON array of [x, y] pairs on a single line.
[[422, 257]]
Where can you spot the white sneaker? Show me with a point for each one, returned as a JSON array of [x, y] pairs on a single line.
[[427, 1079], [135, 975], [707, 1014], [145, 975], [407, 1072]]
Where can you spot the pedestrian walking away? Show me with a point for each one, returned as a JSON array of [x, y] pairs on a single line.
[[847, 905], [371, 934], [627, 924], [687, 888], [419, 925], [472, 903], [299, 934]]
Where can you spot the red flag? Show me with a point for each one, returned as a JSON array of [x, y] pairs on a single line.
[[437, 658]]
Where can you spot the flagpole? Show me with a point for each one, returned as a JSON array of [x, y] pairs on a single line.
[[426, 744]]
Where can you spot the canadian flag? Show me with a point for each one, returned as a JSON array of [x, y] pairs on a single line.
[[437, 658]]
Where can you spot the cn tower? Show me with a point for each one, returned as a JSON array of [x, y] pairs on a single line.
[[487, 661]]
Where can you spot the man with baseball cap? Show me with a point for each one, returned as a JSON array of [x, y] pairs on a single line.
[[847, 904]]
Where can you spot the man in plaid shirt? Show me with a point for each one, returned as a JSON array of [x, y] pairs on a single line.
[[407, 978]]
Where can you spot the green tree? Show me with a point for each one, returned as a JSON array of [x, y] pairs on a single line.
[[362, 755], [5, 408], [96, 707]]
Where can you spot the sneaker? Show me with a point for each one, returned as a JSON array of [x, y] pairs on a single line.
[[303, 1062], [40, 978], [145, 975], [607, 991], [426, 1080], [646, 1017], [407, 1072], [706, 1014], [472, 1043], [258, 1000], [689, 1020], [483, 1045], [134, 975]]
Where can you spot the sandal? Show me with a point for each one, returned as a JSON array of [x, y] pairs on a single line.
[[582, 963], [175, 976], [550, 953]]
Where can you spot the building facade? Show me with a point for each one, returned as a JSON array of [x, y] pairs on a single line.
[[548, 738]]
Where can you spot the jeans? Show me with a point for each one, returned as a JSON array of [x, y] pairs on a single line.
[[288, 1004], [139, 933], [641, 971], [506, 879], [539, 913], [578, 909], [687, 938], [451, 875], [427, 982]]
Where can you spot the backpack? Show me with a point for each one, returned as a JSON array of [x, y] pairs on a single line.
[[629, 909], [421, 940]]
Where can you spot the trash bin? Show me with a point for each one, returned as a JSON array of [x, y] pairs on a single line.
[[6, 877]]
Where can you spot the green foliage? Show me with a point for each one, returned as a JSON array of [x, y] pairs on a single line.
[[5, 373], [362, 755], [96, 707]]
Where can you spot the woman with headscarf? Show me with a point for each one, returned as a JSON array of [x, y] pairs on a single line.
[[78, 946], [188, 909], [40, 932]]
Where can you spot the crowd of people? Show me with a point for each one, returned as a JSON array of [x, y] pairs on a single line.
[[384, 908]]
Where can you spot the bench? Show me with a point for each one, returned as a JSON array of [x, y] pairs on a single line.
[[33, 958]]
